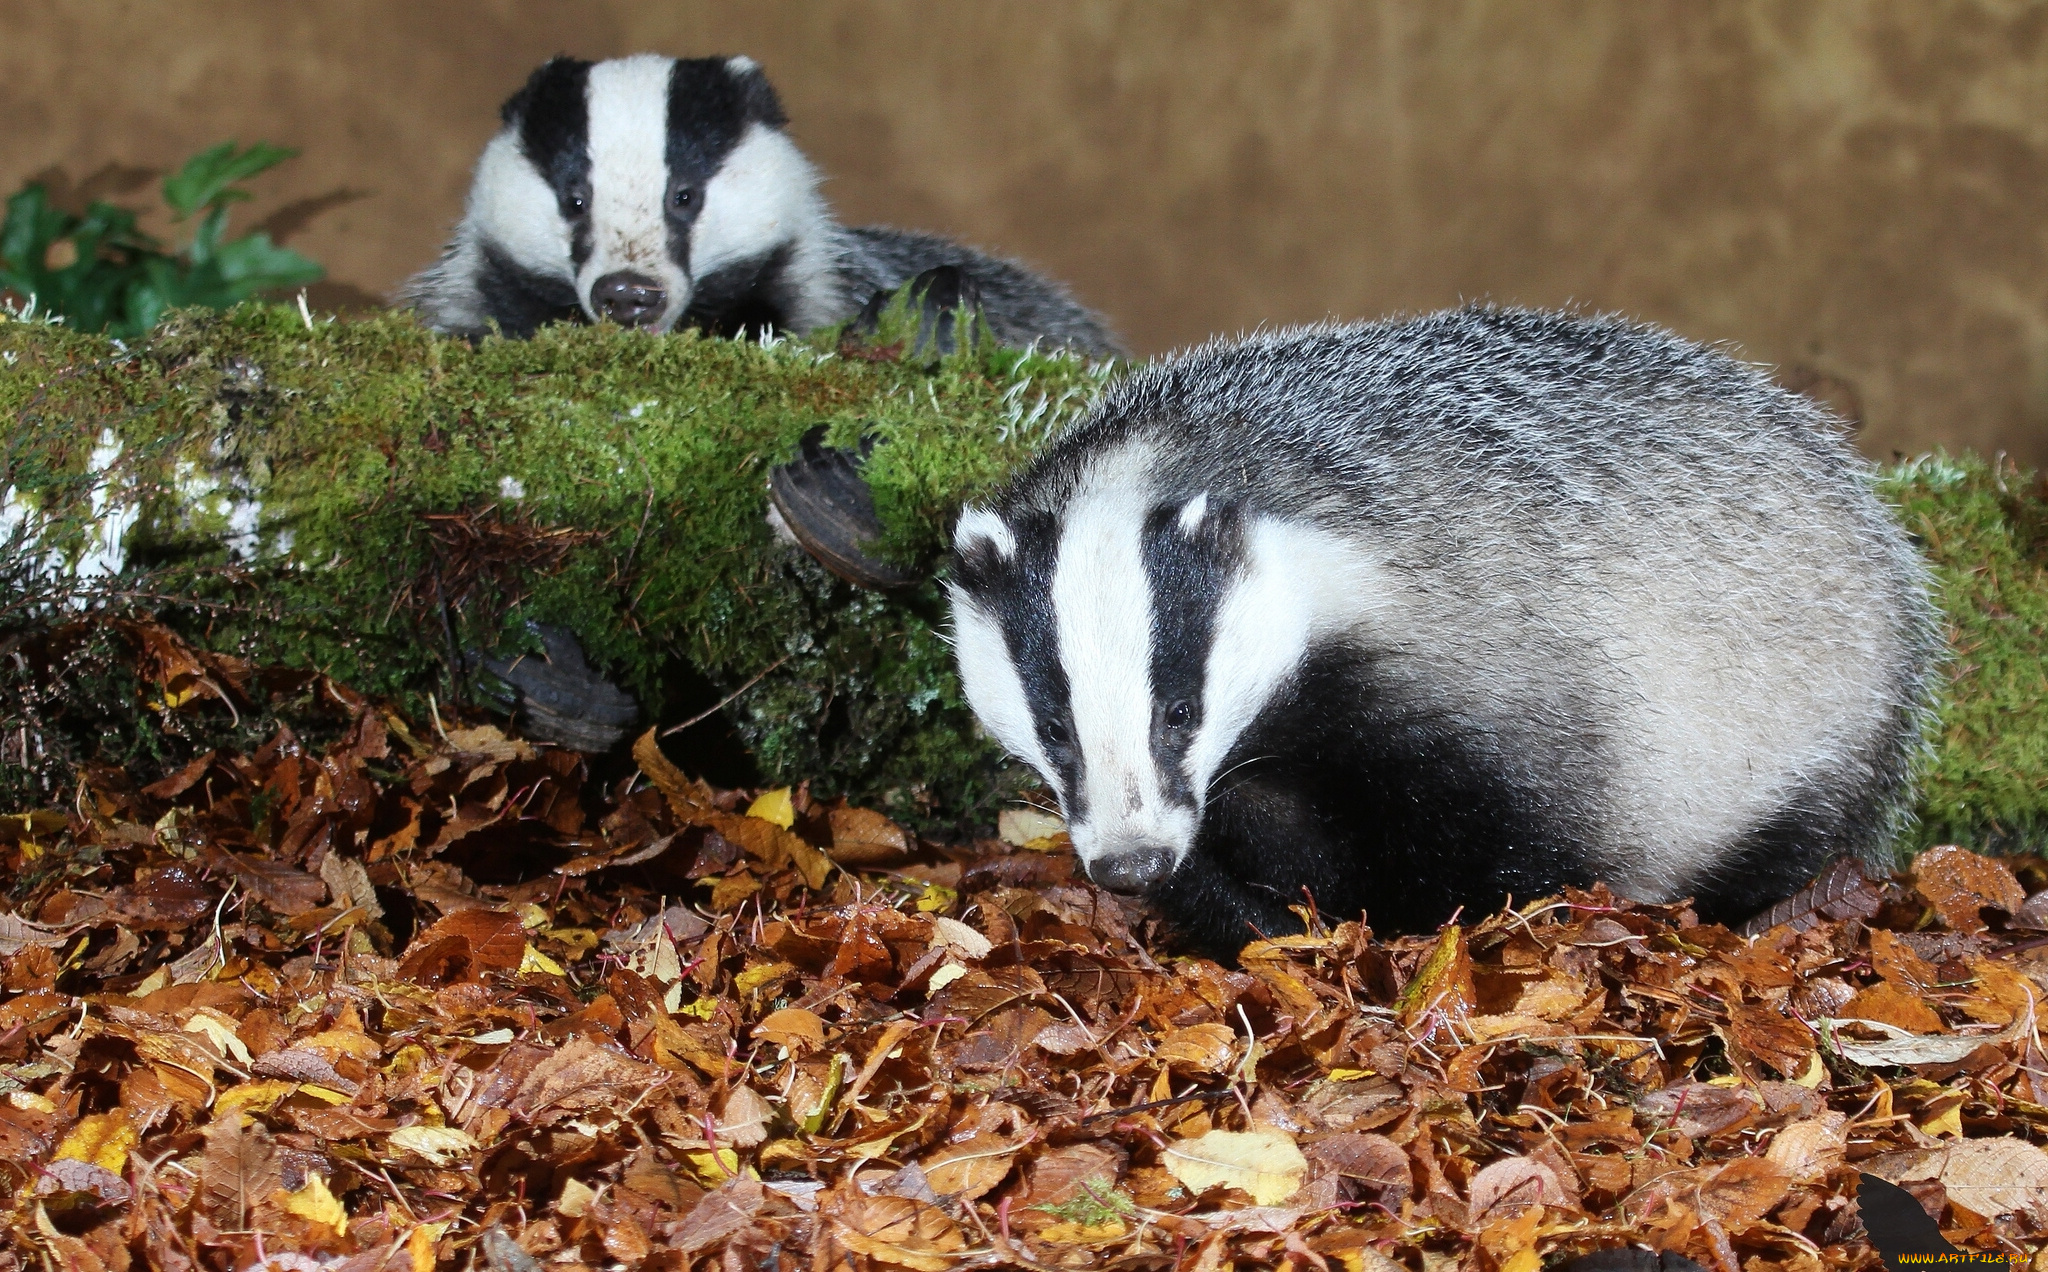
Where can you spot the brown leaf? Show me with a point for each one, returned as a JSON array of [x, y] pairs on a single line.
[[1511, 1184], [864, 838], [1377, 1163], [285, 889], [1807, 1150], [1069, 1171], [239, 1170], [972, 1167], [1989, 1177], [582, 1077], [1887, 1002], [900, 1231], [1701, 1109], [1783, 1042], [1197, 1049], [793, 1027], [1958, 883], [1844, 890]]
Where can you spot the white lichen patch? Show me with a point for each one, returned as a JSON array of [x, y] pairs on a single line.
[[510, 487]]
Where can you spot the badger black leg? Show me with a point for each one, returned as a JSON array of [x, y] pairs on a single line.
[[1217, 913]]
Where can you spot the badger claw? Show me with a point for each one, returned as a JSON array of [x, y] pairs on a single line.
[[830, 512], [558, 698], [941, 294]]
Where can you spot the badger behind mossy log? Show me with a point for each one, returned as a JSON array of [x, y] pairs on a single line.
[[660, 192], [1412, 616]]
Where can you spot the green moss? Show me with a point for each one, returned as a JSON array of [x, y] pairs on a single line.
[[1985, 528], [422, 499]]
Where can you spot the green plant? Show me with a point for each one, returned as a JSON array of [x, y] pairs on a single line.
[[101, 273]]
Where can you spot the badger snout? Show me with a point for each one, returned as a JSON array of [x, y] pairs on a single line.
[[1134, 870], [628, 299]]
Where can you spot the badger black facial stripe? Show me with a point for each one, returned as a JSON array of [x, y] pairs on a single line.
[[1008, 648], [1190, 554], [553, 115]]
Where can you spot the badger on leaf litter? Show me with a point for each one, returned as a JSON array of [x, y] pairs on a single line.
[[1423, 614], [659, 192]]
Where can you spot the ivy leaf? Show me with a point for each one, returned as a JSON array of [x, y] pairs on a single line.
[[208, 178]]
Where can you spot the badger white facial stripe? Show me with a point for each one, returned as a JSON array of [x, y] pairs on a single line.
[[762, 194], [628, 109], [981, 525], [517, 210], [994, 689], [1103, 607]]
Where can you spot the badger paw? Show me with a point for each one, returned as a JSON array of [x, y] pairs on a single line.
[[557, 698], [821, 501], [941, 295]]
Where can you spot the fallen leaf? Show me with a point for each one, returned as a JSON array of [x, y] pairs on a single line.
[[1958, 883], [1264, 1163], [438, 1144], [718, 1214], [793, 1027], [1990, 1177], [972, 1167], [861, 837], [103, 1139], [1512, 1183], [315, 1204]]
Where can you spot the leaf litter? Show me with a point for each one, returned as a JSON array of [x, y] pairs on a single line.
[[436, 997]]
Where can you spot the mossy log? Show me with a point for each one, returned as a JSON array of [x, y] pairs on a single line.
[[390, 507]]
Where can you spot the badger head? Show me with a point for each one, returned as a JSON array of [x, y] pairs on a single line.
[[642, 190], [1122, 644]]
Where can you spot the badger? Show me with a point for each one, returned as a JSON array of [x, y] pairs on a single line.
[[1419, 615], [657, 192]]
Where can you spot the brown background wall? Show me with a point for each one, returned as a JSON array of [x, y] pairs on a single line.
[[1851, 189]]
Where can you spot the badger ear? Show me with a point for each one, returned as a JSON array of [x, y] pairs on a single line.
[[544, 75], [758, 102], [980, 540]]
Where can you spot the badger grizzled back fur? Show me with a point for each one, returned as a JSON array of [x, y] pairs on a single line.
[[656, 192], [1421, 614]]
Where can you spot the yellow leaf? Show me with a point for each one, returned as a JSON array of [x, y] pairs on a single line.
[[1349, 1075], [438, 1144], [102, 1139], [702, 1008], [810, 1122], [419, 1245], [714, 1168], [1522, 1260], [220, 1031], [576, 1198], [1264, 1163], [532, 960], [774, 806], [262, 1094], [323, 1093], [315, 1204], [945, 976], [1947, 1122], [755, 979], [937, 897], [1028, 827], [1814, 1072]]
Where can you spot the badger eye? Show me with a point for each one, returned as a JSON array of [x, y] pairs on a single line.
[[577, 203], [1056, 732], [1178, 715], [683, 197]]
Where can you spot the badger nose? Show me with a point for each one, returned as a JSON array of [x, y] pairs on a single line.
[[630, 300], [1138, 870]]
